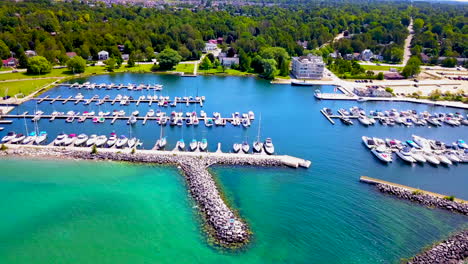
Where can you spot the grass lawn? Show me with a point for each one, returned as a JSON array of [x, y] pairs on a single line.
[[5, 69], [226, 72], [185, 68], [379, 68], [25, 87]]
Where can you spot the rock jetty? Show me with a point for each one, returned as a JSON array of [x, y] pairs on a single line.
[[424, 199], [453, 250], [221, 223]]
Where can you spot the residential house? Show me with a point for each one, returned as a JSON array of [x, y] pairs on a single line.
[[210, 46], [303, 43], [103, 55], [367, 55], [30, 53], [393, 76], [121, 47], [424, 58], [71, 54], [10, 62], [308, 67], [228, 61], [125, 57], [380, 92]]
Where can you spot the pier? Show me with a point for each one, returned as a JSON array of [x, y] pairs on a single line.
[[87, 101]]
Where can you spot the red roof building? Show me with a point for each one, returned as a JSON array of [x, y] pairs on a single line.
[[71, 54], [10, 62]]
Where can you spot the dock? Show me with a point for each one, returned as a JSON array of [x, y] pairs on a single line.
[[373, 181], [114, 100], [327, 116]]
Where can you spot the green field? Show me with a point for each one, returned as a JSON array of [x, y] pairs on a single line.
[[24, 87], [185, 68], [226, 72], [379, 68]]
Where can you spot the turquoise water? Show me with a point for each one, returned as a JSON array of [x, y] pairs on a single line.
[[85, 212]]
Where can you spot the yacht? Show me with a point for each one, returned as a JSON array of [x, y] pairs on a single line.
[[193, 145], [101, 141], [443, 159], [418, 156], [209, 122], [30, 139], [18, 138], [422, 142], [132, 120], [60, 139], [236, 147], [406, 155], [245, 147], [431, 157], [69, 140], [112, 140], [81, 139], [91, 140], [121, 142], [40, 138], [203, 144], [381, 153], [150, 113], [8, 137], [462, 144], [132, 142], [269, 147], [181, 145]]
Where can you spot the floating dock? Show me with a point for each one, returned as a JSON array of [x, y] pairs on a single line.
[[115, 100]]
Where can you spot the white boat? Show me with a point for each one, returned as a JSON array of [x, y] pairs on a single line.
[[40, 138], [245, 147], [431, 158], [91, 140], [406, 155], [30, 139], [269, 147], [203, 145], [18, 139], [101, 141], [150, 113], [60, 139], [236, 147], [364, 120], [462, 144], [251, 115], [112, 140], [81, 139], [135, 113], [132, 142], [132, 120], [443, 159], [193, 145], [382, 154], [181, 145], [378, 141], [69, 140], [79, 96], [418, 156], [121, 142], [422, 142], [452, 156], [8, 137]]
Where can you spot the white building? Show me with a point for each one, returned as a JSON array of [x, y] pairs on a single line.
[[308, 67], [210, 46], [103, 55], [366, 55]]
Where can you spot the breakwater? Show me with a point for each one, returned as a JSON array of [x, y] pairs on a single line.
[[452, 250], [221, 223]]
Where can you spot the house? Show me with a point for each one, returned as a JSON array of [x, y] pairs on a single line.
[[213, 41], [30, 53], [354, 56], [228, 61], [219, 40], [362, 92], [380, 92], [10, 62], [371, 92], [367, 55], [210, 46], [125, 57], [121, 47], [308, 67], [71, 54], [303, 43], [393, 76], [103, 55], [424, 58]]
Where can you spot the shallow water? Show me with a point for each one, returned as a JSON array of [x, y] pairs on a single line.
[[117, 213]]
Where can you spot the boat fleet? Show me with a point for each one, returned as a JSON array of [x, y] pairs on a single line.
[[418, 150], [404, 118], [130, 86], [100, 141], [257, 147], [32, 138]]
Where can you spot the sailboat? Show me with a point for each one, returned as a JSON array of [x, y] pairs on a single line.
[[258, 145], [162, 141]]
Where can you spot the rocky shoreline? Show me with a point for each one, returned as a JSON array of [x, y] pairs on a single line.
[[453, 250], [221, 223], [424, 199]]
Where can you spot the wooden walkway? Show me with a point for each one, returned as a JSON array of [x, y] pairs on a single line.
[[374, 181]]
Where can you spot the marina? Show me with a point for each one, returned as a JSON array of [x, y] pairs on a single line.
[[123, 100]]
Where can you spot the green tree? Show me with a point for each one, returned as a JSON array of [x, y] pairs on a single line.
[[38, 65], [418, 24], [22, 58], [168, 58], [369, 73], [449, 62], [131, 62], [4, 50], [244, 61], [412, 67], [269, 68], [206, 64], [76, 64], [111, 64], [380, 76]]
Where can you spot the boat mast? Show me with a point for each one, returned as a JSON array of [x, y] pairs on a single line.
[[259, 125]]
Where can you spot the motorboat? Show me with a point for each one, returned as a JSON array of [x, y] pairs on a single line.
[[193, 145], [209, 122], [433, 121], [18, 138], [150, 113], [236, 147], [203, 144], [443, 159], [406, 155], [181, 145], [382, 154], [40, 138], [132, 120], [135, 113], [161, 143], [418, 156], [195, 121], [257, 146], [462, 144], [394, 143], [80, 140], [364, 120], [79, 96], [422, 142], [412, 144], [69, 140], [30, 139], [91, 140], [101, 141], [431, 158], [251, 115], [112, 140], [132, 142], [121, 142], [346, 120], [245, 147], [451, 155], [8, 137], [188, 121], [245, 122], [269, 147], [451, 121], [81, 119], [60, 139]]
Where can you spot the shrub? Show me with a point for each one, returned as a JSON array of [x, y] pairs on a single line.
[[133, 151], [3, 147], [417, 192], [450, 198], [94, 150]]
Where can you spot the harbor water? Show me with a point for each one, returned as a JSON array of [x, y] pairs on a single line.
[[73, 211]]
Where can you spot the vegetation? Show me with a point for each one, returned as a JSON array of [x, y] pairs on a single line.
[[186, 68], [3, 147], [23, 87], [379, 67], [94, 150], [168, 58], [417, 192], [76, 64], [450, 198], [412, 67], [39, 65]]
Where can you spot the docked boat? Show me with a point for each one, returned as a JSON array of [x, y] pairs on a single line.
[[203, 144], [80, 140], [422, 142], [112, 140], [8, 137], [18, 138], [161, 143], [443, 159], [251, 115], [364, 120], [132, 120], [418, 156], [40, 138], [135, 113], [181, 145], [269, 147], [236, 147], [101, 141], [346, 120], [245, 122], [209, 122], [451, 155], [121, 142], [30, 138], [150, 113], [193, 145], [412, 144], [431, 158], [69, 140], [60, 139], [382, 154], [132, 142], [91, 140], [394, 143], [301, 83], [406, 155], [433, 121], [378, 141], [245, 147], [462, 144]]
